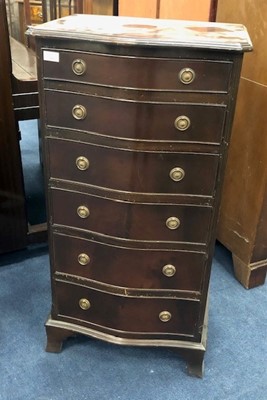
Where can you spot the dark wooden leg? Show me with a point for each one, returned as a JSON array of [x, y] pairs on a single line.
[[194, 362], [55, 337], [250, 275], [194, 357]]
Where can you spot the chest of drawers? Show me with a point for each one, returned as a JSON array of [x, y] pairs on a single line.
[[136, 117]]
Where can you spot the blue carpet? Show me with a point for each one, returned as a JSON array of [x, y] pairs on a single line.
[[235, 362]]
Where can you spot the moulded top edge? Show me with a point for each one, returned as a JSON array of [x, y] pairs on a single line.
[[146, 32]]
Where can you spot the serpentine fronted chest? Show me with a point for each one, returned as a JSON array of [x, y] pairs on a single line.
[[136, 117]]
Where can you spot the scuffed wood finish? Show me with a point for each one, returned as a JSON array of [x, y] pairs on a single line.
[[158, 74], [126, 316], [243, 217], [103, 115], [132, 173], [132, 220], [137, 267], [147, 32], [131, 246]]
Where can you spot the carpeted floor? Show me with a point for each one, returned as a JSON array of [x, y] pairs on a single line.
[[235, 362]]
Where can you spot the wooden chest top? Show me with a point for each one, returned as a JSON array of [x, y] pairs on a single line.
[[148, 32]]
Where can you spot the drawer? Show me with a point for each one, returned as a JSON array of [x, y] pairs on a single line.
[[128, 267], [137, 72], [135, 171], [125, 313], [127, 220], [135, 120]]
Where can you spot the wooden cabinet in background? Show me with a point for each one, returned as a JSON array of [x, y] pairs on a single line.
[[102, 7], [34, 12], [148, 8], [243, 218], [203, 10], [13, 221], [36, 16]]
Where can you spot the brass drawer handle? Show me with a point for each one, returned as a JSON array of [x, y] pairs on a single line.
[[182, 123], [177, 174], [173, 223], [187, 76], [169, 270], [78, 66], [84, 304], [79, 112], [82, 163], [165, 316], [83, 211], [83, 259]]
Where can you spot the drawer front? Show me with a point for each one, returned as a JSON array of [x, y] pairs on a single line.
[[133, 171], [129, 220], [129, 314], [128, 267], [133, 120], [140, 73]]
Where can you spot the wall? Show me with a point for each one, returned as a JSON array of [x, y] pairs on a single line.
[[13, 18], [174, 9]]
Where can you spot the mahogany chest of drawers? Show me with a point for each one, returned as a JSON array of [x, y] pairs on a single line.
[[136, 117]]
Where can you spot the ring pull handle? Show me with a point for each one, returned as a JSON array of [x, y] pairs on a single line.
[[165, 316], [78, 67], [79, 112], [187, 76], [83, 259], [82, 163], [83, 211], [169, 270], [182, 123], [173, 223], [84, 304], [177, 174]]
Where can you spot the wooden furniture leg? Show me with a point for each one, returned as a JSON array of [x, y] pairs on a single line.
[[250, 274], [195, 363], [55, 337]]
